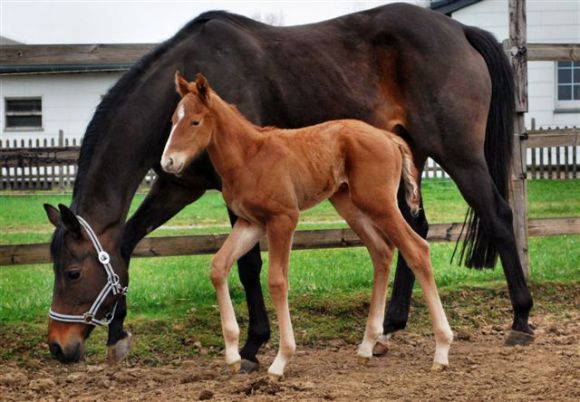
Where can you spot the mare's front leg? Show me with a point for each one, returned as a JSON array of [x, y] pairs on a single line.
[[280, 230], [243, 237], [165, 199], [249, 267]]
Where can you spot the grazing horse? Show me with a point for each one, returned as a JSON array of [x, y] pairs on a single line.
[[446, 88], [269, 175]]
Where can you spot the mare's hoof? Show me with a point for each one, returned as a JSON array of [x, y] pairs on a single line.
[[438, 367], [363, 360], [275, 377], [120, 350], [249, 366], [235, 367], [518, 338]]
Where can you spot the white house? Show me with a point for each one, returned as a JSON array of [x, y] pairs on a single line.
[[38, 100]]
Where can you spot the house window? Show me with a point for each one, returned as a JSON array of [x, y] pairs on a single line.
[[568, 87], [23, 114]]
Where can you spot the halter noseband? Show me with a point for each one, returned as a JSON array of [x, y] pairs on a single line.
[[111, 286]]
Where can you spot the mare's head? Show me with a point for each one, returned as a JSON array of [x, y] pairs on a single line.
[[192, 124], [79, 277]]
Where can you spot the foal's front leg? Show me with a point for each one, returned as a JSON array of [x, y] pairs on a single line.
[[243, 237], [280, 231]]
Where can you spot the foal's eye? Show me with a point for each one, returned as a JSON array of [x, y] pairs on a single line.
[[194, 123], [73, 275]]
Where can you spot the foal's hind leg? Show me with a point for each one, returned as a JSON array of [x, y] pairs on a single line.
[[243, 237], [381, 252], [387, 217]]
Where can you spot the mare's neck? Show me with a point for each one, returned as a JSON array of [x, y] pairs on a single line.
[[234, 140], [127, 139]]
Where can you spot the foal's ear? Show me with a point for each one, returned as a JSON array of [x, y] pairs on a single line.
[[181, 84], [52, 214], [69, 219], [202, 87]]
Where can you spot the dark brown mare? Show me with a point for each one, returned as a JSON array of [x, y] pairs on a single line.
[[446, 88]]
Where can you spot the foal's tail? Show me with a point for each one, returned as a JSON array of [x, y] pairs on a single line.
[[409, 175]]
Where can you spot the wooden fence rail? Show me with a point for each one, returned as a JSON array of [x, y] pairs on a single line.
[[49, 164], [305, 239]]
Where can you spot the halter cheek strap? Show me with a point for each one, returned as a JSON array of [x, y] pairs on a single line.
[[111, 286]]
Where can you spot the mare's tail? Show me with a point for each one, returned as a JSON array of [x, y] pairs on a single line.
[[478, 251]]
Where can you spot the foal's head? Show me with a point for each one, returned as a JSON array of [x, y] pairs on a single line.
[[192, 124]]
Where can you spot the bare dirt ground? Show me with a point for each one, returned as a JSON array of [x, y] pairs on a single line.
[[481, 369]]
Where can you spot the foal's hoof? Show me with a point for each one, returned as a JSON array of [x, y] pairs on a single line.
[[438, 367], [518, 338], [235, 367], [249, 366], [363, 360], [275, 377], [382, 346], [120, 350]]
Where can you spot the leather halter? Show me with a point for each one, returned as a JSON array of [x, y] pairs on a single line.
[[111, 286]]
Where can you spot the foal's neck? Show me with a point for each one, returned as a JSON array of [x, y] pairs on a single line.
[[233, 141]]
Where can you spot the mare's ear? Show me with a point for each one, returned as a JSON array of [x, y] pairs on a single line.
[[202, 87], [52, 214], [181, 84], [69, 220]]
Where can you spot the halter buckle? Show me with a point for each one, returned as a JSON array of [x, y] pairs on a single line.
[[88, 317], [104, 257]]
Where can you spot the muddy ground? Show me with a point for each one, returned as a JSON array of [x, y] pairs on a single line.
[[481, 369]]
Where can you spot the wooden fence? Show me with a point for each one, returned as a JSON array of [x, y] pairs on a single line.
[[51, 163], [16, 254]]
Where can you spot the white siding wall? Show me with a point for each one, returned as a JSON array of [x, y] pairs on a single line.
[[68, 101], [549, 21]]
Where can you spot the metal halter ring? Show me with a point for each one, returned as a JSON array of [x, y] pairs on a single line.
[[104, 257]]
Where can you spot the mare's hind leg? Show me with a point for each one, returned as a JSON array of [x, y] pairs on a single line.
[[381, 252], [243, 237], [478, 189]]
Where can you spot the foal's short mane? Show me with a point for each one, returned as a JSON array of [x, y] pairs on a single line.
[[244, 118]]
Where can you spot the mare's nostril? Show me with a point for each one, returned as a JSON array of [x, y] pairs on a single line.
[[56, 350], [169, 162]]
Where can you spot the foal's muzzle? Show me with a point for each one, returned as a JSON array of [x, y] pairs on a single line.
[[171, 164]]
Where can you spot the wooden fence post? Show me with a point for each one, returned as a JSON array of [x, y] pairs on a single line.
[[60, 166], [516, 48]]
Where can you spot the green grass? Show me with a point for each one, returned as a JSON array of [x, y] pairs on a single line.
[[23, 220], [172, 295]]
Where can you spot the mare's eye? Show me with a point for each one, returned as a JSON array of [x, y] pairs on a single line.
[[195, 123], [73, 275]]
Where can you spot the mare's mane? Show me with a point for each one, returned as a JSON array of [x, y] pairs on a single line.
[[100, 123]]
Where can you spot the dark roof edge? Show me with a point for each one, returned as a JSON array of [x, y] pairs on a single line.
[[61, 68], [450, 6]]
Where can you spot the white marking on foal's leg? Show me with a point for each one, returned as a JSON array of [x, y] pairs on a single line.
[[441, 328], [381, 255], [243, 237]]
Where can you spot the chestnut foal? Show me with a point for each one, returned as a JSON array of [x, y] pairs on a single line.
[[269, 175]]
